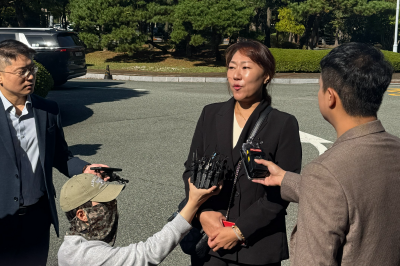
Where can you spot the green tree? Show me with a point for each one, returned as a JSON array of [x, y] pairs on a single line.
[[287, 22], [317, 13], [26, 13], [197, 22], [372, 22], [108, 24], [264, 17], [7, 14]]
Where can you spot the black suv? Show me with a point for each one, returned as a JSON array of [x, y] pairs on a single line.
[[61, 52]]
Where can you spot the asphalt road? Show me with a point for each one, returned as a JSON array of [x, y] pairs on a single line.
[[146, 129]]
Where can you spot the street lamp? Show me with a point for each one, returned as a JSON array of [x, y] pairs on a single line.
[[396, 27]]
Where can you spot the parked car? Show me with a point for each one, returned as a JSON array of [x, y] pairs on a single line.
[[61, 52]]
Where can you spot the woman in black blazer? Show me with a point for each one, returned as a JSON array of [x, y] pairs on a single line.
[[258, 211]]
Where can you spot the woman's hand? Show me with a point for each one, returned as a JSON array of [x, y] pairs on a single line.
[[199, 196], [196, 198], [211, 221], [224, 238]]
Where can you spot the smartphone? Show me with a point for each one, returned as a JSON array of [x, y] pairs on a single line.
[[108, 169]]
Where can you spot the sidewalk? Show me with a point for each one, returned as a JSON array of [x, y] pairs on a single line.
[[280, 78]]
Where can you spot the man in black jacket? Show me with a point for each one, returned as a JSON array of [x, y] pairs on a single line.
[[31, 144]]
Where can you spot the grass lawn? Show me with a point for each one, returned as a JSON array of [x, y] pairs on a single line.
[[153, 61], [287, 61]]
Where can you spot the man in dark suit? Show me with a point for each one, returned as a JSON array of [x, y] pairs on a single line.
[[349, 200], [31, 143]]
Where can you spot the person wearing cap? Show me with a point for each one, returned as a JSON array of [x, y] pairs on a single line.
[[91, 207]]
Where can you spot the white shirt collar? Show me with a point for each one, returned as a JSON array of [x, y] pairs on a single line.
[[8, 107]]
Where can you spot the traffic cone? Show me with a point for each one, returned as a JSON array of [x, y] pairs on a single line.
[[107, 75]]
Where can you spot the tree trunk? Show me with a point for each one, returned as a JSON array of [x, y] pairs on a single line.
[[313, 41], [152, 31], [267, 40], [166, 27], [64, 16], [19, 13], [337, 37], [188, 47], [305, 38], [217, 40], [277, 39]]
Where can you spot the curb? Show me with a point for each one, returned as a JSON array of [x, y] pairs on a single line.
[[192, 79], [201, 79]]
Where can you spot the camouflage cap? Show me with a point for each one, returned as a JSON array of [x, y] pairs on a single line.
[[82, 188]]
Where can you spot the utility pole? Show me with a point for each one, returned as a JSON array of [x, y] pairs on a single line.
[[396, 30]]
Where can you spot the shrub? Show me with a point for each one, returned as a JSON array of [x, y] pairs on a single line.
[[44, 81], [394, 59], [295, 60]]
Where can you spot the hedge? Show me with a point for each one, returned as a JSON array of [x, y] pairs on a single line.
[[44, 81], [394, 59], [295, 60]]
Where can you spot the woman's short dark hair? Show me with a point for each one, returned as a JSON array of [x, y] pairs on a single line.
[[259, 54], [72, 213], [359, 74]]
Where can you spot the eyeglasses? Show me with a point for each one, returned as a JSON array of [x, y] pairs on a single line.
[[24, 73]]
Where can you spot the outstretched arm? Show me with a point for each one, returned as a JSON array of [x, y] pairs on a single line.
[[151, 252]]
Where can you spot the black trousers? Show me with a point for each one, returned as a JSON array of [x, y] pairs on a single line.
[[25, 241], [215, 261]]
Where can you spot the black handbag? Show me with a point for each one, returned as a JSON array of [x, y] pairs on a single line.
[[195, 243]]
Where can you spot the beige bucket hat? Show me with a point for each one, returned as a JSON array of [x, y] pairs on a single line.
[[82, 188]]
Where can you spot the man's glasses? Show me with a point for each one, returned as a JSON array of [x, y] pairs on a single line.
[[24, 73]]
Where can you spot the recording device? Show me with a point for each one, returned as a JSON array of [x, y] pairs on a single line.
[[109, 172], [207, 171], [251, 150]]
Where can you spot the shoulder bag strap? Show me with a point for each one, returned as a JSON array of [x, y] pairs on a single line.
[[253, 133], [259, 122]]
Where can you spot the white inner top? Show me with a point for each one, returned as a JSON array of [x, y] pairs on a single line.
[[237, 130]]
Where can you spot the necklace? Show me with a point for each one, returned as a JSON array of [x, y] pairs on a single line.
[[240, 112]]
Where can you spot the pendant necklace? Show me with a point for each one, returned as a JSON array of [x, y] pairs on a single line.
[[241, 113]]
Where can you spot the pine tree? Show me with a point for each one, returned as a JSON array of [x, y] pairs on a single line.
[[108, 24], [197, 22]]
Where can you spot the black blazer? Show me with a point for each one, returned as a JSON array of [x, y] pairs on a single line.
[[53, 152], [257, 210]]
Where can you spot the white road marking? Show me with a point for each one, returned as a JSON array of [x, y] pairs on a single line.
[[315, 141]]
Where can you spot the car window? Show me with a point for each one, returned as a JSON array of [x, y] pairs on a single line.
[[77, 40], [4, 37], [69, 40], [41, 41]]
